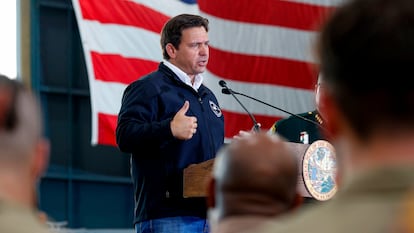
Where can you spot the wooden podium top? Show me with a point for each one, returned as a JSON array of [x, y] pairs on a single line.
[[195, 178], [316, 173], [196, 175]]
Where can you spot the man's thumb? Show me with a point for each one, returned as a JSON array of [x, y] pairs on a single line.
[[185, 107]]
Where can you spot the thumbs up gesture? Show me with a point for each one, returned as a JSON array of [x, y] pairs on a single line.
[[183, 126]]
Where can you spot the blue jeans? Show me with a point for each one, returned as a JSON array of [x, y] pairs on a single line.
[[182, 224]]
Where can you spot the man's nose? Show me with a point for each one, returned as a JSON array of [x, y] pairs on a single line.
[[203, 49]]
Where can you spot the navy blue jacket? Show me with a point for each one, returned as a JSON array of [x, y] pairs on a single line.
[[157, 158]]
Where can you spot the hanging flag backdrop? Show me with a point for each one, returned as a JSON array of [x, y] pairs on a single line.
[[260, 48]]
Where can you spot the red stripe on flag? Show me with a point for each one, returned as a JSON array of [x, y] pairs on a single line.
[[259, 69], [106, 129], [116, 68], [271, 12], [234, 122], [123, 12]]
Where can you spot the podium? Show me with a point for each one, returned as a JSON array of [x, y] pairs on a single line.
[[316, 173]]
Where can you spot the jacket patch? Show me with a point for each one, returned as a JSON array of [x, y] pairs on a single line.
[[215, 108]]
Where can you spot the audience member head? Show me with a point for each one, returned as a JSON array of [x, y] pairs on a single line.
[[255, 175], [23, 150], [366, 51]]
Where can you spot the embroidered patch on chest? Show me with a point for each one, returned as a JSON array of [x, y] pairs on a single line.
[[215, 108]]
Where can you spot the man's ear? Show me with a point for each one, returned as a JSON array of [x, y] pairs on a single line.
[[170, 50], [41, 158], [211, 199]]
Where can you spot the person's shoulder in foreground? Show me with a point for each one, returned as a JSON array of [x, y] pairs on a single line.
[[366, 52], [254, 179], [23, 158]]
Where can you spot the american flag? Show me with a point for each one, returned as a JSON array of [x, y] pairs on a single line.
[[262, 48]]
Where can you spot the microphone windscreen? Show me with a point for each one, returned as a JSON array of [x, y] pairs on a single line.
[[222, 83]]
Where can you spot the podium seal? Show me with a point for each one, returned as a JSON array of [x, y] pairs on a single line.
[[319, 170]]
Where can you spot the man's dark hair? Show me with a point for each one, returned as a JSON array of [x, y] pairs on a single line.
[[367, 60], [172, 30]]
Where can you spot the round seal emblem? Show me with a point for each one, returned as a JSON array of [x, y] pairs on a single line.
[[319, 170]]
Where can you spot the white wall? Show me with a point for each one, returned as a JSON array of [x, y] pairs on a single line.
[[8, 49]]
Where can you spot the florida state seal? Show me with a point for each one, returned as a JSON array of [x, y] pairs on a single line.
[[319, 170]]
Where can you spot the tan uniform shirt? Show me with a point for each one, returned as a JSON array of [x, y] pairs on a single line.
[[18, 219], [370, 202]]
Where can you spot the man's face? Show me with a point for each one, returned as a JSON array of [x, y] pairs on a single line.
[[193, 52]]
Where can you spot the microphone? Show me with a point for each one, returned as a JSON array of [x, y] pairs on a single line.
[[226, 90], [223, 84]]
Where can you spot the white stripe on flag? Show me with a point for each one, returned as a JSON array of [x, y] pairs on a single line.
[[332, 3], [290, 99], [134, 42], [128, 41], [108, 96], [170, 7], [260, 40]]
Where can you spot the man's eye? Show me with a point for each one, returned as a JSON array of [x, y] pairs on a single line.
[[198, 45]]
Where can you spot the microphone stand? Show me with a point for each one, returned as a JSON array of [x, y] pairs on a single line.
[[227, 91], [256, 126]]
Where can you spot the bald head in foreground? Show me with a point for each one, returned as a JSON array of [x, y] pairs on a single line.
[[254, 178], [23, 158]]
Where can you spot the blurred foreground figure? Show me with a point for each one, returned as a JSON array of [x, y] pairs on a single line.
[[366, 51], [254, 179], [23, 158]]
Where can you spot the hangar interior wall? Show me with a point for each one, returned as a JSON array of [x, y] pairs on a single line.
[[85, 186]]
